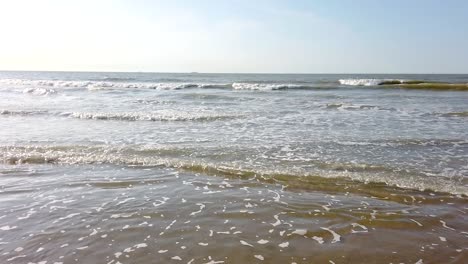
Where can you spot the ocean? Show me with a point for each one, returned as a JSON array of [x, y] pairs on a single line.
[[233, 168]]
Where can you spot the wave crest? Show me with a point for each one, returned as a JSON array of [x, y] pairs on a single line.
[[113, 83], [407, 84], [120, 84], [361, 82], [266, 86], [375, 82]]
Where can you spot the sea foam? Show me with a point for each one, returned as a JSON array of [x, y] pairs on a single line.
[[45, 86], [364, 82], [138, 156]]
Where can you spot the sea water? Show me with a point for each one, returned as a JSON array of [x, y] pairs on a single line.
[[233, 168]]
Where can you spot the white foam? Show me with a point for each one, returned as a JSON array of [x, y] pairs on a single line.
[[444, 224], [126, 200], [278, 221], [318, 239], [161, 202], [364, 228], [284, 245], [361, 82], [170, 225], [245, 243], [277, 197], [300, 232], [7, 227], [110, 85], [199, 211], [106, 85], [81, 154], [214, 262], [19, 249], [39, 91], [15, 257], [418, 223], [67, 217], [263, 86], [155, 116], [123, 215], [336, 237]]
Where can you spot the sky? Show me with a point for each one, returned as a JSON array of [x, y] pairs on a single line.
[[242, 36]]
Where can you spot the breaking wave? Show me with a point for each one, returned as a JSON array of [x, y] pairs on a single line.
[[360, 82], [44, 86], [408, 84], [375, 82], [103, 85], [185, 158], [267, 86]]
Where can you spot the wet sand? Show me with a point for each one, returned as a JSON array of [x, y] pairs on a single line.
[[137, 214]]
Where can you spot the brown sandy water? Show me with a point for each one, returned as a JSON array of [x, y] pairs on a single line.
[[136, 214]]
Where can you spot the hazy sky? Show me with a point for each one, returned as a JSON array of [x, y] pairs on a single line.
[[417, 36]]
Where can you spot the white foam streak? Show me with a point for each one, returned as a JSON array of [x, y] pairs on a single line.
[[368, 82], [336, 236], [44, 86], [156, 116], [263, 86]]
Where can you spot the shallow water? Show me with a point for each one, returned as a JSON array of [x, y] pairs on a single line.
[[144, 168]]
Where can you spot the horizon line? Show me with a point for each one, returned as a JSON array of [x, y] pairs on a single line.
[[270, 73]]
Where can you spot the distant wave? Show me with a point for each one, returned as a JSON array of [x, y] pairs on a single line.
[[266, 86], [46, 87], [360, 82], [39, 85], [375, 82], [408, 84], [186, 159]]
